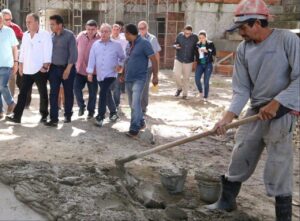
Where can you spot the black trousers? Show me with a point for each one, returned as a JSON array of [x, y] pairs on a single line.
[[19, 84], [40, 79]]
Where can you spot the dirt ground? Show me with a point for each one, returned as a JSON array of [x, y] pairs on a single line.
[[63, 172]]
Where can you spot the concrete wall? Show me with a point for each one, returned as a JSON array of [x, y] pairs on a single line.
[[212, 17], [215, 16]]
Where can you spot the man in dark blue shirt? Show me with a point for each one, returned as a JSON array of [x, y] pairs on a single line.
[[138, 53]]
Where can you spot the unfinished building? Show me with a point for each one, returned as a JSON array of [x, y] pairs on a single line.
[[165, 17]]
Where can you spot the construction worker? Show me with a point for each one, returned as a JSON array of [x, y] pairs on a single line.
[[266, 71]]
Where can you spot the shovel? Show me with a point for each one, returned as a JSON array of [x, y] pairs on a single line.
[[121, 162]]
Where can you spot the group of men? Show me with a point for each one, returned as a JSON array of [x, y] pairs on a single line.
[[103, 57], [266, 71]]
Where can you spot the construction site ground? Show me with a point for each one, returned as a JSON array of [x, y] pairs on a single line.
[[68, 172]]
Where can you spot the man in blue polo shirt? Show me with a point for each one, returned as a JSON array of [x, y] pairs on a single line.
[[138, 52]]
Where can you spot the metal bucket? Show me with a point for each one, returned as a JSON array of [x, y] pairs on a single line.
[[209, 191], [209, 186], [173, 179]]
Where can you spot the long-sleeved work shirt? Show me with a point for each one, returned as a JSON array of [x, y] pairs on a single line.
[[105, 56], [267, 70]]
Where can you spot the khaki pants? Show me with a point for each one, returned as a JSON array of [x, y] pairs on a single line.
[[251, 139], [182, 75]]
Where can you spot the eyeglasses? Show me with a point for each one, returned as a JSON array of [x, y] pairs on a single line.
[[142, 28]]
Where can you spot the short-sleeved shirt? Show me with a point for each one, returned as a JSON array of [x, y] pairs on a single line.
[[138, 54], [154, 43], [7, 41], [64, 48]]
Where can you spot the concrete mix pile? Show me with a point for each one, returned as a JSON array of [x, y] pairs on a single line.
[[83, 192]]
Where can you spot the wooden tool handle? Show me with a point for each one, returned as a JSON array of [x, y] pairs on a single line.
[[159, 148]]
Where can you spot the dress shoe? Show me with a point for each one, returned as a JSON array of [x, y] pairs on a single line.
[[51, 123], [67, 120], [43, 120], [178, 92], [81, 112], [13, 119], [132, 134]]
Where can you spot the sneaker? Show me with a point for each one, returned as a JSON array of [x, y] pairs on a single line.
[[205, 100], [114, 117], [81, 112], [132, 133], [10, 108], [184, 97], [13, 119], [51, 123], [43, 120], [99, 122], [178, 92], [1, 115], [67, 120]]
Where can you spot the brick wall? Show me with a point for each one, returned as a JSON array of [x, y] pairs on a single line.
[[174, 24]]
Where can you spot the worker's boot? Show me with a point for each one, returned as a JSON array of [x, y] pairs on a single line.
[[227, 201], [283, 208]]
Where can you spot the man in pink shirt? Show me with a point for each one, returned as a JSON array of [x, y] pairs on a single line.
[[85, 40]]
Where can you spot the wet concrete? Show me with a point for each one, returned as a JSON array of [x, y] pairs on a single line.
[[71, 192]]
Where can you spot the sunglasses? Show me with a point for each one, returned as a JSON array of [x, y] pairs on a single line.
[[8, 19]]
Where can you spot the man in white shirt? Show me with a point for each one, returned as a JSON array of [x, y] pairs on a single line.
[[35, 58]]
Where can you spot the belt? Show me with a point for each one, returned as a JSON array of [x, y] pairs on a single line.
[[59, 66]]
